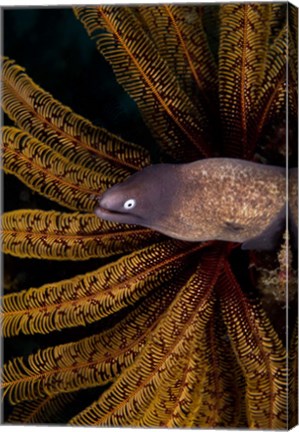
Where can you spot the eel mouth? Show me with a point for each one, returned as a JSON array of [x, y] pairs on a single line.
[[104, 213], [116, 216]]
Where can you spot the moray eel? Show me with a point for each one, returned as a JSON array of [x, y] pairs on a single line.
[[210, 199]]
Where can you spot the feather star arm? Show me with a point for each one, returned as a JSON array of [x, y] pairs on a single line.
[[272, 97], [169, 345], [261, 355], [184, 47], [37, 112], [68, 236], [85, 299], [47, 172], [144, 74], [243, 38], [47, 409], [94, 360]]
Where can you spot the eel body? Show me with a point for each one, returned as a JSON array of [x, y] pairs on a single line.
[[211, 199]]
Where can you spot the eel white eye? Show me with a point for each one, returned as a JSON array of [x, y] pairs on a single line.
[[129, 204]]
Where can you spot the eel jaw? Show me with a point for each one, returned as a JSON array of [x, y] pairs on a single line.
[[116, 216], [106, 214]]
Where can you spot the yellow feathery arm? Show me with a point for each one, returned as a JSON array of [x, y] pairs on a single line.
[[47, 409], [167, 43], [221, 401], [293, 66], [243, 37], [273, 89], [126, 400], [38, 113], [68, 236], [92, 361], [274, 16], [205, 390], [293, 41], [187, 23], [85, 299], [260, 353], [185, 389], [277, 18], [183, 45], [189, 28], [185, 392], [169, 398], [293, 378], [174, 120], [49, 173]]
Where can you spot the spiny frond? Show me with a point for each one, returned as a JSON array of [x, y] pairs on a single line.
[[277, 18], [168, 42], [68, 236], [91, 361], [175, 122], [183, 45], [47, 172], [177, 386], [85, 299], [293, 378], [184, 393], [126, 401], [222, 402], [244, 34], [63, 368], [260, 353], [293, 40], [48, 409], [200, 395], [77, 139], [273, 86]]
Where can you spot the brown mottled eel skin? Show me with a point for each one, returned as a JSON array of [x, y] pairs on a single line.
[[211, 199]]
